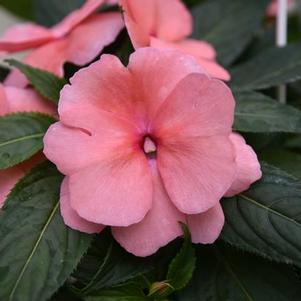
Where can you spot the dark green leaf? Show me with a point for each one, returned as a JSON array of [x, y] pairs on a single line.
[[268, 69], [46, 83], [228, 25], [37, 250], [50, 12], [258, 113], [109, 266], [225, 274], [128, 292], [182, 266], [22, 8], [21, 136], [266, 219]]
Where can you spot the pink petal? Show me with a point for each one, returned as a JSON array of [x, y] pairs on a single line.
[[88, 40], [197, 171], [197, 107], [157, 72], [9, 179], [113, 84], [198, 49], [3, 101], [71, 218], [140, 20], [248, 167], [27, 100], [157, 229], [174, 21], [195, 155], [115, 192], [203, 52], [214, 69], [61, 143], [24, 36], [76, 17], [39, 58], [206, 227]]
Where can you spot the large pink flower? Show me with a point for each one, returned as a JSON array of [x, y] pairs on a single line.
[[167, 24], [145, 147], [79, 38], [19, 100]]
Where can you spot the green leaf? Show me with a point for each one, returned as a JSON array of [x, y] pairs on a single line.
[[256, 112], [216, 21], [107, 265], [22, 8], [50, 12], [274, 66], [46, 83], [182, 266], [226, 274], [21, 136], [37, 250], [266, 219], [128, 292]]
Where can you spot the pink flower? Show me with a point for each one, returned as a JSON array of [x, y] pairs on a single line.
[[19, 100], [79, 38], [145, 147], [167, 24], [272, 9]]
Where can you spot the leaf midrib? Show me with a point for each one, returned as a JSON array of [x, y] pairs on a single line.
[[269, 209], [33, 251], [20, 139]]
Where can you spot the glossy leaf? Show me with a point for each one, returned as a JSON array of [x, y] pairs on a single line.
[[266, 219], [258, 113], [46, 83], [274, 66], [224, 273], [21, 136], [38, 251], [216, 21]]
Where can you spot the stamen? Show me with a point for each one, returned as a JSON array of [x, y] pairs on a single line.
[[149, 146]]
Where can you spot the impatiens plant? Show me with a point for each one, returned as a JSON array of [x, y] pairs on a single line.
[[144, 155]]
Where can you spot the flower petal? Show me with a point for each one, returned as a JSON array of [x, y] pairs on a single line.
[[157, 72], [248, 167], [39, 58], [197, 107], [9, 178], [88, 40], [27, 100], [24, 36], [214, 69], [71, 218], [198, 49], [76, 17], [115, 192], [174, 21], [197, 171], [206, 227], [157, 229], [3, 101], [140, 20]]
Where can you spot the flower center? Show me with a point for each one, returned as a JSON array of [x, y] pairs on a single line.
[[149, 147]]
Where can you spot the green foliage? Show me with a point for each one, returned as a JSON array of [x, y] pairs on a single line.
[[46, 83], [21, 136], [50, 12], [266, 219], [22, 8], [270, 68], [38, 251], [228, 25], [256, 112], [227, 274]]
